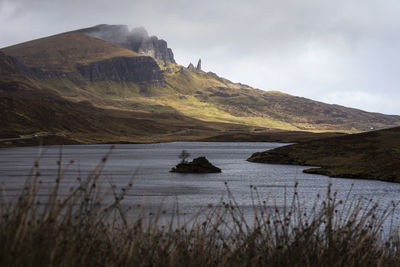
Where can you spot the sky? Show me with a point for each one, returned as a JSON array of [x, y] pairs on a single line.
[[340, 52]]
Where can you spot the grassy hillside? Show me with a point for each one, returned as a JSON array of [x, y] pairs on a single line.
[[371, 155], [28, 110], [207, 97], [267, 108]]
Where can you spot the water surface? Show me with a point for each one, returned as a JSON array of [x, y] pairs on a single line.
[[149, 164]]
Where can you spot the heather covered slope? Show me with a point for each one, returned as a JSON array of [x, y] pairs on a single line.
[[370, 155]]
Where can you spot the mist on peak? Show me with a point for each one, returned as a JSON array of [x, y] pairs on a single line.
[[136, 39]]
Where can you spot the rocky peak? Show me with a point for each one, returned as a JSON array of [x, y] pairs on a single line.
[[191, 67], [136, 39], [198, 65], [197, 68]]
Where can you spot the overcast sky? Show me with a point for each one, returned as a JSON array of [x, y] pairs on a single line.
[[344, 51]]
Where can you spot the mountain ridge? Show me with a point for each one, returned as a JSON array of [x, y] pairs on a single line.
[[81, 68]]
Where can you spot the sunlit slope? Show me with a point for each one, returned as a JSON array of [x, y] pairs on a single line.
[[206, 96], [28, 110]]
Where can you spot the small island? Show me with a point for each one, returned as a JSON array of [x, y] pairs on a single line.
[[198, 165]]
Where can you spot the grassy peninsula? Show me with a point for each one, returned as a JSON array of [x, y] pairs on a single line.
[[370, 155]]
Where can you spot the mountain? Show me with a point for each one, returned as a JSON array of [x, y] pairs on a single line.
[[371, 155], [127, 73], [137, 40], [78, 58]]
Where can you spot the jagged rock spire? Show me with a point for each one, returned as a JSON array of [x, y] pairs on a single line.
[[190, 67], [198, 65]]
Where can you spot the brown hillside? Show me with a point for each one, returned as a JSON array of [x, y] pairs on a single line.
[[62, 52]]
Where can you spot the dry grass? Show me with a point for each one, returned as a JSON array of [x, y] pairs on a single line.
[[81, 227]]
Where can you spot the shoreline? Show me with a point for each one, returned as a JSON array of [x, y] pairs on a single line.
[[84, 139]]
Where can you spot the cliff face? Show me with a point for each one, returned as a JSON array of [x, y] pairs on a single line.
[[137, 40], [129, 69]]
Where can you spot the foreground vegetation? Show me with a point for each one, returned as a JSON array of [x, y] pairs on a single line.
[[87, 225]]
